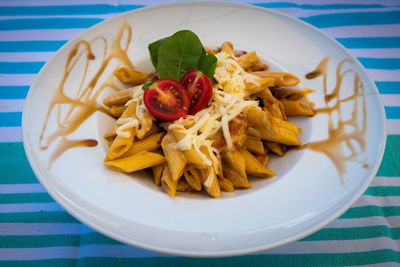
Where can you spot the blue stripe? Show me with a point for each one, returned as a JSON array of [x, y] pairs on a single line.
[[31, 46], [52, 46], [355, 18], [393, 112], [317, 7], [34, 67], [381, 63], [49, 23], [13, 92], [20, 67], [106, 9], [388, 87], [370, 42], [65, 10], [10, 119], [320, 21]]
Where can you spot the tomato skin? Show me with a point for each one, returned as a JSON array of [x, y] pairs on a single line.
[[167, 99], [200, 90]]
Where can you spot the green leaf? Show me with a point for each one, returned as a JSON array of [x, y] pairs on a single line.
[[153, 50], [144, 87], [178, 54], [207, 65]]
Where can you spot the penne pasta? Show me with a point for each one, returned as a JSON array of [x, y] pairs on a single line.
[[254, 167], [254, 145], [236, 161], [219, 146], [149, 143], [136, 162], [157, 172], [236, 179], [168, 184], [130, 75], [193, 177], [175, 158]]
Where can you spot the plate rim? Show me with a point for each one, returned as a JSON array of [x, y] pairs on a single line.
[[220, 253]]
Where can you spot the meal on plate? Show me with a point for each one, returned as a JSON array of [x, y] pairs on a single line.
[[206, 118]]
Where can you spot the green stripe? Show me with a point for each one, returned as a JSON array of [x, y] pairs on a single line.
[[37, 217], [64, 217], [381, 63], [20, 67], [353, 18], [14, 166], [354, 233], [388, 87], [370, 42], [383, 191], [317, 259], [40, 241], [25, 198], [371, 211], [13, 92], [30, 46], [390, 165], [47, 23], [66, 10]]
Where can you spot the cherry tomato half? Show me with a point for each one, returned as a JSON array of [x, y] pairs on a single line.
[[167, 99], [200, 89]]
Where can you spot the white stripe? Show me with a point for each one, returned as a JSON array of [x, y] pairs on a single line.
[[388, 30], [333, 246], [393, 126], [305, 13], [377, 53], [391, 221], [21, 188], [45, 56], [391, 100], [386, 181], [17, 79], [32, 229], [21, 254], [30, 207], [26, 56], [40, 35], [366, 200], [12, 105], [51, 2], [95, 16], [384, 75], [27, 79], [10, 134]]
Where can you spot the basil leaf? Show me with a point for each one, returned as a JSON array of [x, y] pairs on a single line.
[[207, 65], [144, 87], [153, 50], [178, 54]]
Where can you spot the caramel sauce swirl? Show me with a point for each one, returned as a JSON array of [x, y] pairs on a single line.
[[84, 103], [338, 136]]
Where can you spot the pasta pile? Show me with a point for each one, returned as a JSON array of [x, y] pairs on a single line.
[[220, 146]]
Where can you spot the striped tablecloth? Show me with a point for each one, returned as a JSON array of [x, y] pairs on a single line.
[[35, 230]]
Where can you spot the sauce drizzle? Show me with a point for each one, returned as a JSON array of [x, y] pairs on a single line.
[[338, 136], [84, 104]]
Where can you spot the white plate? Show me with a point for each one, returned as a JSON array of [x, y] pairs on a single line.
[[306, 194]]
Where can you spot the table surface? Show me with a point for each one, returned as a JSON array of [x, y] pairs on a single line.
[[35, 230]]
